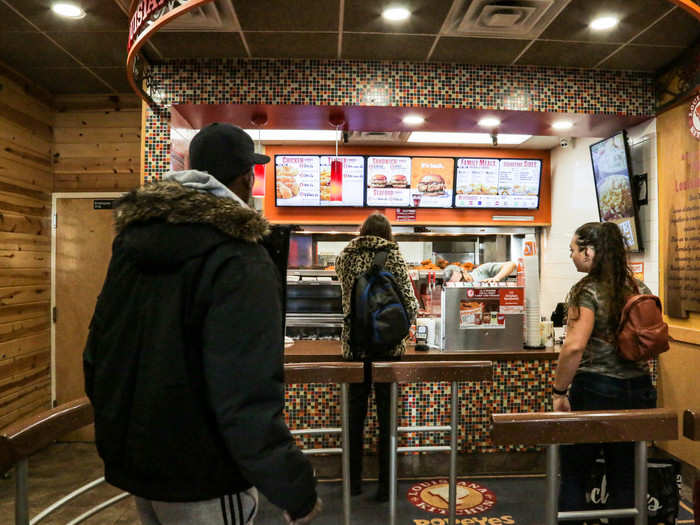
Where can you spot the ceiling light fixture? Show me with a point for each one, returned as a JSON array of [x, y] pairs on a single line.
[[413, 120], [562, 124], [295, 135], [437, 137], [604, 22], [489, 122], [396, 14], [68, 10]]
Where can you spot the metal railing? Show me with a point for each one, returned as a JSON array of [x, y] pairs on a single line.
[[342, 373], [555, 428], [416, 372]]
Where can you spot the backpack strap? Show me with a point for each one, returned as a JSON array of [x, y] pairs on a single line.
[[379, 261]]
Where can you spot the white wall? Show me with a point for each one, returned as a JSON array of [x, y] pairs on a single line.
[[574, 203]]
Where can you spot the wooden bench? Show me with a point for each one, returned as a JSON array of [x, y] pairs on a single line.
[[554, 428], [341, 373], [396, 372]]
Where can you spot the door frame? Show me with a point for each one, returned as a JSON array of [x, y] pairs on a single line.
[[54, 224]]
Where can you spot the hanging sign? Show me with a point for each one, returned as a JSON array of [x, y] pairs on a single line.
[[694, 117]]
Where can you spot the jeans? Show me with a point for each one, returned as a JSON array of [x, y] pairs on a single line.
[[591, 391], [359, 397]]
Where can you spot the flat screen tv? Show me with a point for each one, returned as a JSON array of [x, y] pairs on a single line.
[[498, 183], [612, 171], [305, 180], [410, 182]]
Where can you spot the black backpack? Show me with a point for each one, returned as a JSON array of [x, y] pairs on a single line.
[[379, 320]]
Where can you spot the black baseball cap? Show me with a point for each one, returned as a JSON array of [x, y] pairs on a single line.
[[224, 151]]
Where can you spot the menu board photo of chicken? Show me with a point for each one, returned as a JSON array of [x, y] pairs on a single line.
[[498, 183], [431, 182], [306, 180], [388, 181]]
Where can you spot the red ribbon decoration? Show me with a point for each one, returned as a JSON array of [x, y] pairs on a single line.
[[336, 180], [259, 184]]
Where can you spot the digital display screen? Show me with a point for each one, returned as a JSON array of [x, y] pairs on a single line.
[[614, 188], [308, 180], [388, 182], [498, 183], [432, 182]]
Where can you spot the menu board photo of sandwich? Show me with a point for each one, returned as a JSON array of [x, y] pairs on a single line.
[[498, 183], [431, 182], [388, 181]]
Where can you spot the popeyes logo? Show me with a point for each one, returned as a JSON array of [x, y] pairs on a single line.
[[694, 117], [434, 496]]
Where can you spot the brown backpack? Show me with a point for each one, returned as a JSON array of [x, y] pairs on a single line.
[[642, 333]]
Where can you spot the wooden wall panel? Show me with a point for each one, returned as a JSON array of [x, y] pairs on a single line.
[[26, 182], [96, 148]]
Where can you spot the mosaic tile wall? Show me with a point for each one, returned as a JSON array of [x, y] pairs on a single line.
[[345, 82], [518, 386]]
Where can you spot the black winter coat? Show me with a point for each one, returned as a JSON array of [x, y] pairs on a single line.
[[183, 362]]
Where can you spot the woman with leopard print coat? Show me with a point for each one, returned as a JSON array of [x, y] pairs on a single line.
[[355, 259]]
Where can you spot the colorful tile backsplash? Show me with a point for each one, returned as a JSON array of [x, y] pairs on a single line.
[[418, 84]]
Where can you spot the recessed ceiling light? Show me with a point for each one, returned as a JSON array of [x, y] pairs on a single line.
[[489, 122], [437, 137], [604, 22], [396, 13], [68, 10], [413, 120], [562, 124]]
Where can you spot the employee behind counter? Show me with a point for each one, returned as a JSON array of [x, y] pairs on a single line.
[[487, 273]]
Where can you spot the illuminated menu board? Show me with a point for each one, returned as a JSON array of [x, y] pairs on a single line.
[[306, 180], [497, 183], [388, 182], [432, 182]]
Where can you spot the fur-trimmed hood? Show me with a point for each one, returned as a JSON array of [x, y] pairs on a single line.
[[368, 243], [165, 223]]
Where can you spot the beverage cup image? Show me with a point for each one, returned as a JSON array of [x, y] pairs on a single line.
[[416, 199]]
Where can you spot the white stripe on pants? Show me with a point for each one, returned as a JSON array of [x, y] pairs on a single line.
[[234, 509]]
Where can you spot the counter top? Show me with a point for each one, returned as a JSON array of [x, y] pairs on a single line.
[[305, 351]]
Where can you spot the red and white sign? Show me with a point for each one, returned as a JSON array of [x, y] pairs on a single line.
[[434, 496], [405, 214], [512, 300], [694, 117], [637, 270]]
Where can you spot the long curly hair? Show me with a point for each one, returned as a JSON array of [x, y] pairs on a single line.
[[609, 268]]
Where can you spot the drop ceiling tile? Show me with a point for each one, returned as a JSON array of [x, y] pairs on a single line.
[[386, 47], [25, 50], [198, 45], [100, 15], [565, 54], [477, 50], [101, 48], [11, 21], [642, 58], [426, 17], [286, 15], [292, 45], [67, 81], [677, 28], [572, 22]]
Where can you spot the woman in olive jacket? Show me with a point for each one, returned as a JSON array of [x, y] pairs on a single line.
[[355, 259]]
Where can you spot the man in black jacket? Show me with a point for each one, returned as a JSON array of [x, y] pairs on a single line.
[[183, 362]]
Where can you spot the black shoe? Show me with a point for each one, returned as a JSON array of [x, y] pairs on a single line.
[[382, 494]]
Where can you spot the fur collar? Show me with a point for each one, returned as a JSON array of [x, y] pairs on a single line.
[[176, 204]]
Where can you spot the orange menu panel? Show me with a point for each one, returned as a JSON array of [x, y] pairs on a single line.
[[298, 215]]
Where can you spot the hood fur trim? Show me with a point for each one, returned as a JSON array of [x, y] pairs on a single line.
[[176, 204]]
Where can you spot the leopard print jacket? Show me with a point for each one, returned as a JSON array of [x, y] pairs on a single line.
[[357, 258]]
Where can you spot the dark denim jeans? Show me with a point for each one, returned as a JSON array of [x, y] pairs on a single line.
[[598, 392]]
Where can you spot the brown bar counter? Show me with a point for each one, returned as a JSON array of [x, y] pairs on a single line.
[[521, 383]]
